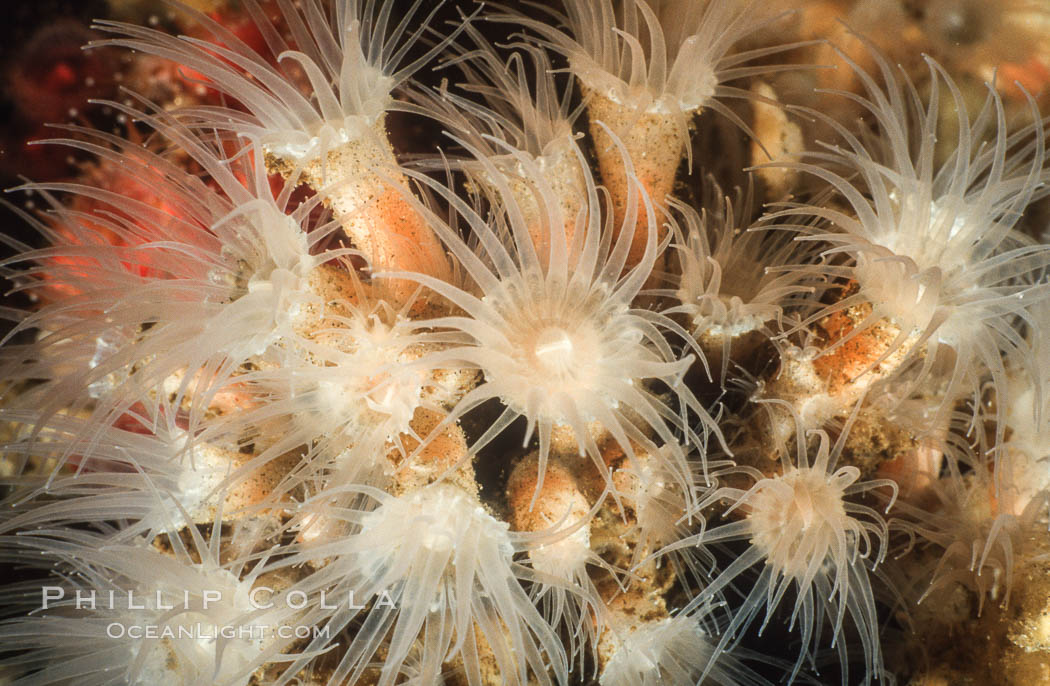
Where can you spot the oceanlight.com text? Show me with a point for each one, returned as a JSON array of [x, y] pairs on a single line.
[[202, 631]]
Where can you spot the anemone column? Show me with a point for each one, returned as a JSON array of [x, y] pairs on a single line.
[[652, 143], [360, 181]]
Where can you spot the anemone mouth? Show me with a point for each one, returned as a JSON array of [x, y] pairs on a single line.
[[438, 517], [726, 315], [391, 387], [673, 650], [325, 136], [562, 345], [906, 295], [369, 391], [393, 397], [269, 262], [556, 362], [691, 95], [563, 558], [945, 232], [390, 400], [731, 327], [797, 518], [564, 354]]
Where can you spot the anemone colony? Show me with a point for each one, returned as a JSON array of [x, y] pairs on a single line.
[[698, 349]]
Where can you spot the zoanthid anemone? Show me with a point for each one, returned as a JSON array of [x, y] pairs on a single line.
[[330, 84], [146, 473], [1023, 463], [657, 57], [175, 289], [523, 110], [560, 516], [317, 111], [129, 613], [735, 284], [932, 250], [523, 105], [805, 534], [659, 511], [1029, 407], [654, 496], [645, 69], [560, 341], [674, 651], [353, 389], [361, 386], [981, 521], [438, 575]]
